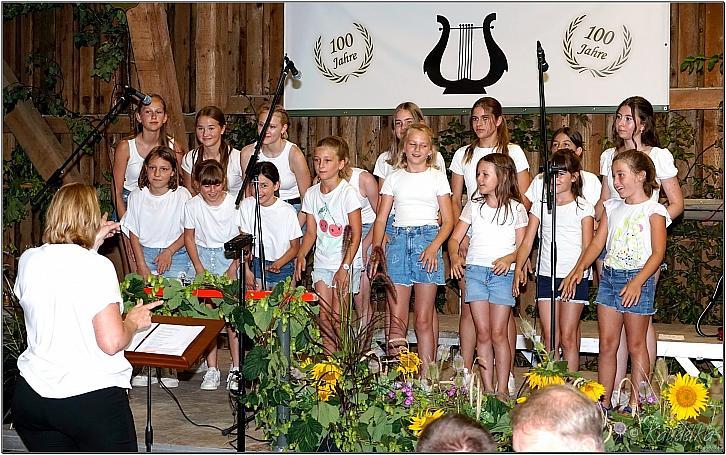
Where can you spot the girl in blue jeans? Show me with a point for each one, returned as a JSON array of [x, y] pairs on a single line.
[[419, 191], [633, 232], [498, 221]]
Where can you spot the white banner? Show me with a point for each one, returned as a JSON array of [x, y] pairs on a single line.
[[372, 56]]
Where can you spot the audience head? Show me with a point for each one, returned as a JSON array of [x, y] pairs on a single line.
[[557, 418], [73, 216], [455, 433], [567, 138]]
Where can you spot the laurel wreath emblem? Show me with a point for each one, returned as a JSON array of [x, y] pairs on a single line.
[[602, 72], [341, 78]]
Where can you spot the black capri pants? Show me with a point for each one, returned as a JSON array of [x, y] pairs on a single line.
[[98, 421]]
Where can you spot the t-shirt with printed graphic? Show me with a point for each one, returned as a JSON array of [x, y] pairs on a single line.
[[629, 237], [331, 216]]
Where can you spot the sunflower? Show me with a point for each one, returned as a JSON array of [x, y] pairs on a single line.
[[326, 372], [419, 422], [305, 362], [687, 397], [408, 362], [324, 392], [538, 379], [593, 389]]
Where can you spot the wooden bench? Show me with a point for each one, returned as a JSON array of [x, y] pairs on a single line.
[[679, 341]]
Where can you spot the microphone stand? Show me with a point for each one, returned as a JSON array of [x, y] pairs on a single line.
[[549, 180], [93, 137]]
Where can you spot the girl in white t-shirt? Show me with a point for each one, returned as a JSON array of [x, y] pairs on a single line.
[[497, 220], [287, 157], [210, 220], [331, 206], [210, 128], [130, 153], [492, 136], [634, 128], [574, 229], [154, 219], [280, 229], [419, 192], [633, 231]]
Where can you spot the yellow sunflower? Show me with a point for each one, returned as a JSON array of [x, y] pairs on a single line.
[[419, 422], [593, 389], [305, 362], [687, 397], [324, 392], [408, 362], [327, 372], [537, 380]]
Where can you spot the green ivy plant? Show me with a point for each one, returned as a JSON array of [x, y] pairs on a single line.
[[103, 26], [696, 63], [21, 182]]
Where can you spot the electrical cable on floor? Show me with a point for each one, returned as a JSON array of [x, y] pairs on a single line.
[[173, 397]]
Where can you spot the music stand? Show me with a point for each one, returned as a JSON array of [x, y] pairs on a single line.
[[191, 354]]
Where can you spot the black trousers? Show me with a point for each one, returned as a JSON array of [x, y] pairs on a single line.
[[98, 421]]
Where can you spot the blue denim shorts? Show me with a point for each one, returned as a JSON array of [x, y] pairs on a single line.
[[125, 197], [582, 291], [407, 244], [365, 230], [272, 278], [181, 266], [213, 259], [389, 225], [483, 285], [612, 282], [326, 276]]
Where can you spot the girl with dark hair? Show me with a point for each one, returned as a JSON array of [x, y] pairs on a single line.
[[210, 127], [574, 232], [497, 220]]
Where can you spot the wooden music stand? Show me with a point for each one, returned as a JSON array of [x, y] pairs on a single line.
[[191, 354]]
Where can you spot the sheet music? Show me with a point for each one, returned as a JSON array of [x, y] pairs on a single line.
[[169, 339]]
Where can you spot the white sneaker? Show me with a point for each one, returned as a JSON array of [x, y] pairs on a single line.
[[202, 367], [142, 380], [168, 378], [211, 379], [511, 386], [232, 378]]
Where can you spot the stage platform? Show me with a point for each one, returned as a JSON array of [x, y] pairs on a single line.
[[679, 341]]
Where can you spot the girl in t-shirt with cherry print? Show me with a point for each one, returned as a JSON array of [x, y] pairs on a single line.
[[329, 206]]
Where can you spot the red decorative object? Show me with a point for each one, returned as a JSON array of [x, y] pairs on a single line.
[[256, 295], [208, 293]]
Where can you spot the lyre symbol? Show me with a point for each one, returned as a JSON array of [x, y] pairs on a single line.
[[465, 85]]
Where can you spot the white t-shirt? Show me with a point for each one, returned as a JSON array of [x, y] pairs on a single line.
[[568, 232], [591, 188], [279, 226], [468, 170], [664, 168], [629, 239], [61, 288], [213, 225], [415, 196], [331, 216], [492, 238], [366, 212], [156, 220], [234, 170], [382, 168]]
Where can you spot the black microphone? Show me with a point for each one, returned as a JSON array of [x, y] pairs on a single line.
[[294, 71], [541, 58], [144, 98]]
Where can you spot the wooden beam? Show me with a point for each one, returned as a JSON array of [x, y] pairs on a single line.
[[155, 61], [211, 63], [695, 98], [34, 135], [703, 209]]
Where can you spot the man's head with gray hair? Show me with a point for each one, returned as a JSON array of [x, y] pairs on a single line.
[[557, 418]]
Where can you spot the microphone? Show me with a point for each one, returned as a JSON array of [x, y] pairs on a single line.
[[296, 74], [541, 57], [144, 98]]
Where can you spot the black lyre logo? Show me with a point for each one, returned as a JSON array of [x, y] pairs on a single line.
[[465, 85]]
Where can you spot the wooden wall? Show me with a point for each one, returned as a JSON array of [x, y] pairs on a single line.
[[248, 52]]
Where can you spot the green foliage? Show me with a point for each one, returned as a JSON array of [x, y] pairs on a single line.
[[241, 131], [13, 10], [696, 63], [103, 26], [21, 182], [453, 137]]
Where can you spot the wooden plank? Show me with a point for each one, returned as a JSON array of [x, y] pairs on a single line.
[[232, 53], [180, 36], [687, 41], [674, 63], [242, 74], [347, 130], [10, 44], [367, 138], [276, 37], [85, 82], [254, 44], [155, 61], [26, 47], [34, 135], [211, 76], [695, 98], [713, 41]]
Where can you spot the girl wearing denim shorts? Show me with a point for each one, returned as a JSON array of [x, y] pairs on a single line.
[[574, 232], [633, 231], [498, 220], [210, 220], [280, 229], [419, 192], [330, 207]]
